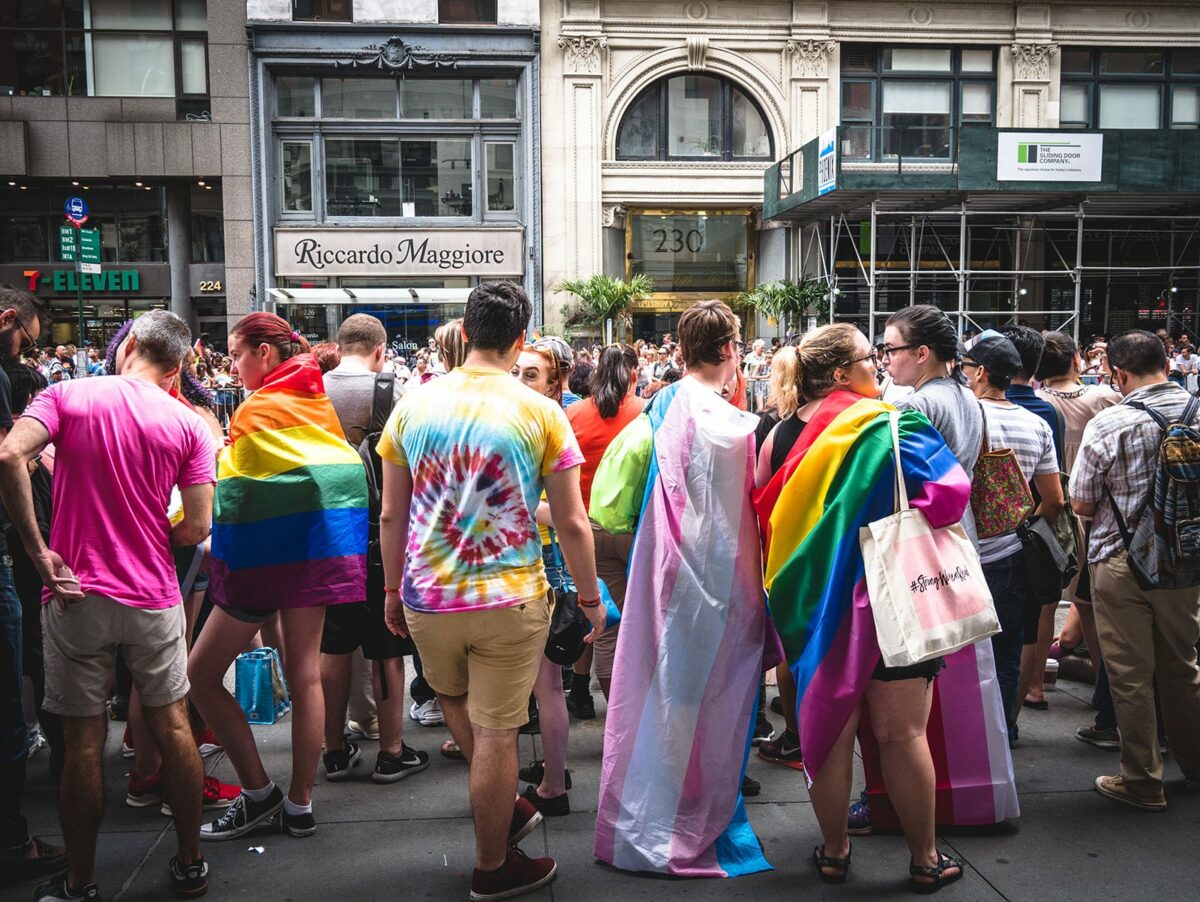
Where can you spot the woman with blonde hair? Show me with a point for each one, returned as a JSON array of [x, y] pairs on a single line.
[[451, 347]]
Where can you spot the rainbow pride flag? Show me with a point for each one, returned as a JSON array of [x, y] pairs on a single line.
[[689, 659], [290, 513]]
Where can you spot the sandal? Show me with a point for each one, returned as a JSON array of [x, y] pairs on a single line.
[[821, 861], [451, 750], [937, 875]]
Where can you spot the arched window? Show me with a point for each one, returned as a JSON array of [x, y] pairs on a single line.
[[694, 117]]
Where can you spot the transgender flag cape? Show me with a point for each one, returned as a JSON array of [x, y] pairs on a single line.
[[290, 514], [689, 658], [838, 478]]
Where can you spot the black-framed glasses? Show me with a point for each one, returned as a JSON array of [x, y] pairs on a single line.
[[873, 357], [966, 363], [888, 351], [30, 342]]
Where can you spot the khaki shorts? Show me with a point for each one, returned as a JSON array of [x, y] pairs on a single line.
[[612, 566], [490, 656], [81, 644]]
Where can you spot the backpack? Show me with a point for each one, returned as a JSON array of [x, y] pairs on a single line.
[[1164, 547], [381, 407]]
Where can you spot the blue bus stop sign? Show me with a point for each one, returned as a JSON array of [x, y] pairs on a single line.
[[76, 209]]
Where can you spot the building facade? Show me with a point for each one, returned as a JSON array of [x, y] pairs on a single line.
[[140, 109], [396, 158], [663, 116]]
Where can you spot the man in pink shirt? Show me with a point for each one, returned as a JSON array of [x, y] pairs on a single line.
[[121, 444]]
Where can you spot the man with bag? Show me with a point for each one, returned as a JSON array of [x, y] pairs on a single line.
[[1145, 592], [363, 396]]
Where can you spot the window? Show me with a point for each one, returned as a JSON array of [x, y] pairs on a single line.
[[208, 228], [691, 251], [1136, 88], [467, 12], [694, 117], [322, 10], [911, 101], [397, 147]]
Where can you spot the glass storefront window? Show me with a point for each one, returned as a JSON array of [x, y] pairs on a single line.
[[362, 177], [294, 97], [208, 229], [691, 252], [498, 98], [1185, 107], [358, 98], [500, 173], [694, 116], [297, 176], [1073, 106], [916, 118], [435, 98], [1130, 106], [437, 175], [976, 102]]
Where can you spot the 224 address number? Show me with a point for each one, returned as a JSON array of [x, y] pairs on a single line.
[[211, 285]]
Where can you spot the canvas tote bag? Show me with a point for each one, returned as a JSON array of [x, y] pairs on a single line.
[[928, 595]]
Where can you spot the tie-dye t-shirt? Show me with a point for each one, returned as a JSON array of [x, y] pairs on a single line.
[[478, 443]]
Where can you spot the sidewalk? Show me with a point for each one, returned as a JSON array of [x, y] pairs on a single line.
[[413, 840]]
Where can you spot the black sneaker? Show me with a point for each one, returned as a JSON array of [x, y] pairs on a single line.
[[56, 889], [297, 825], [555, 807], [389, 768], [242, 816], [537, 771], [340, 763], [750, 786], [189, 880], [777, 705], [763, 732], [533, 726], [784, 750], [581, 705], [1100, 737]]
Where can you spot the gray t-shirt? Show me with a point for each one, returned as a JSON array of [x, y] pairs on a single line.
[[351, 388], [954, 412]]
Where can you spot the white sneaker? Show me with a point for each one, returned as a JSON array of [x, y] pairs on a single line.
[[427, 715], [358, 730]]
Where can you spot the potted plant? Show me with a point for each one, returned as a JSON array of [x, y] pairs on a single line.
[[604, 300], [791, 304]]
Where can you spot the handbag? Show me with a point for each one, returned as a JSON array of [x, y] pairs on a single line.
[[1000, 496], [260, 687], [568, 626], [926, 586], [1049, 552]]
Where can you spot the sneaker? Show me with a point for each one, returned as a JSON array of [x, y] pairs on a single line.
[[858, 819], [143, 793], [297, 825], [558, 806], [763, 732], [785, 750], [1115, 788], [189, 880], [242, 816], [750, 787], [582, 705], [537, 771], [57, 889], [1101, 738], [356, 729], [776, 705], [217, 796], [127, 744], [390, 768], [207, 743], [37, 742], [533, 726], [118, 708], [518, 875], [427, 714], [16, 868], [340, 763], [526, 817]]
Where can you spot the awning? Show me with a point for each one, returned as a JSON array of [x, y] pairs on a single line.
[[369, 295]]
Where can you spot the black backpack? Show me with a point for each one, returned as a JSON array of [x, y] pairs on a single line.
[[382, 402]]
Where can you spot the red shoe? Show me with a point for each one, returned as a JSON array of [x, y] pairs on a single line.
[[217, 796], [525, 818], [207, 743], [143, 793], [518, 875]]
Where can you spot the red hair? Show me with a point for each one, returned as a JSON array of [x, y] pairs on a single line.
[[270, 329], [738, 398]]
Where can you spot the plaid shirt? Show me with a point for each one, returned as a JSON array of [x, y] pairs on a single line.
[[1119, 452]]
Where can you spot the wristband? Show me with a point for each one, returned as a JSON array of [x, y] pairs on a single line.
[[594, 603], [387, 591]]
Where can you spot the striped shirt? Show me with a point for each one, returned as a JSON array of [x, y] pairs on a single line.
[[1118, 452], [1033, 444]]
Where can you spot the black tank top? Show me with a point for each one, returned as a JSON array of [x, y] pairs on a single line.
[[786, 435]]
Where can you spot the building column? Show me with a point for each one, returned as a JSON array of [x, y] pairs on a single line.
[[1031, 84], [584, 105], [812, 98], [179, 250]]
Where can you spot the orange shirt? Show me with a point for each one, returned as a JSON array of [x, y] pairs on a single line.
[[594, 434]]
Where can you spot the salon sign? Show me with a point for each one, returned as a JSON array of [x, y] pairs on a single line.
[[399, 252]]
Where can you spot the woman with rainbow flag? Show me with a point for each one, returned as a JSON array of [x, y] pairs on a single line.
[[290, 536], [837, 478]]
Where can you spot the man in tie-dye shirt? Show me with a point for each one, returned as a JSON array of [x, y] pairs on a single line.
[[465, 460]]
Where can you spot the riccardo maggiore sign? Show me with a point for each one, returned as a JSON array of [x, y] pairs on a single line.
[[399, 252]]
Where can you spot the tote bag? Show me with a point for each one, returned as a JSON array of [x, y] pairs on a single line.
[[1000, 496], [928, 595], [259, 686]]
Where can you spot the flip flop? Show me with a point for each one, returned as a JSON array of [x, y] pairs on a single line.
[[1043, 705], [451, 750]]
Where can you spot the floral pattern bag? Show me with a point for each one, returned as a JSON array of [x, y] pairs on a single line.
[[1000, 497]]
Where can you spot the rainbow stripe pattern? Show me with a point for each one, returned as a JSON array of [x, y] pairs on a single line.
[[290, 513], [685, 681]]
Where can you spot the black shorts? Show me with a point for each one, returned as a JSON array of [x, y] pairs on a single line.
[[926, 670], [360, 625]]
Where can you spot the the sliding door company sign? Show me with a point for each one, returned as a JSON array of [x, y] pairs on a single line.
[[1049, 157]]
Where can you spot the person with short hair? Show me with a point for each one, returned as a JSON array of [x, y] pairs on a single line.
[[1148, 636], [471, 589], [110, 435]]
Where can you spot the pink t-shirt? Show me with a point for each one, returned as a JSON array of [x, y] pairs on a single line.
[[120, 444]]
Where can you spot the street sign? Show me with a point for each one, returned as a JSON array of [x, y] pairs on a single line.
[[68, 243], [89, 246], [76, 209], [93, 268]]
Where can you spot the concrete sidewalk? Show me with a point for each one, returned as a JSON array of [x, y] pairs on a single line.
[[413, 840]]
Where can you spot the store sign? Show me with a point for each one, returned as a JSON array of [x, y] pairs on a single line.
[[68, 281], [1049, 157], [827, 162], [399, 252]]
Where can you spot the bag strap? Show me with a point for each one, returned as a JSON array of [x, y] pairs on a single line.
[[1158, 418], [1122, 528], [382, 400], [901, 488], [987, 444]]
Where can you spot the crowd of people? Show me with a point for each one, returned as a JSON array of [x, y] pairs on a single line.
[[518, 517]]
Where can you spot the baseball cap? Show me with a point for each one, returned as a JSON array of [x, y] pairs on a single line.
[[994, 351]]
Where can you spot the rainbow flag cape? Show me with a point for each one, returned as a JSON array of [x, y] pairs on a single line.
[[290, 513], [689, 660]]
